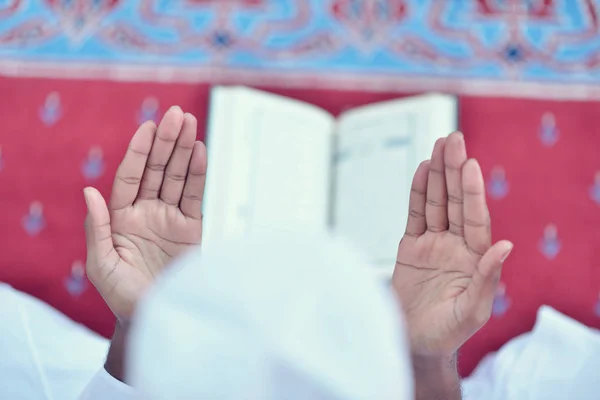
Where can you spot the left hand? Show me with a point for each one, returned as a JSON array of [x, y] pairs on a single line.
[[154, 213], [447, 270]]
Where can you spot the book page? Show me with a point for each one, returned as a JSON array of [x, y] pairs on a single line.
[[269, 164], [379, 149]]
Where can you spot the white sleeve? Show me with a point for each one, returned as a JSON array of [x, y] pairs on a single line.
[[103, 386], [43, 353]]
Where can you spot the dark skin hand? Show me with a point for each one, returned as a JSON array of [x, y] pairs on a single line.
[[154, 214], [447, 269]]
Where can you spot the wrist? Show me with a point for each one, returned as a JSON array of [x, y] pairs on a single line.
[[434, 363], [436, 377], [115, 359]]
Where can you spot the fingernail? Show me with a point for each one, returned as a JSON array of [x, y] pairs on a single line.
[[506, 253], [176, 108]]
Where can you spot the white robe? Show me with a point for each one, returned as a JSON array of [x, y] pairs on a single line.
[[43, 354], [46, 356]]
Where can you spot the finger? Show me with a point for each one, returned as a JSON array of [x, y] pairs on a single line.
[[476, 215], [129, 174], [100, 248], [436, 214], [416, 225], [479, 295], [455, 155], [193, 192], [175, 175], [89, 234], [162, 148]]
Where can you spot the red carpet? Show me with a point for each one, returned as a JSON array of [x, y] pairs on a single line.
[[541, 160]]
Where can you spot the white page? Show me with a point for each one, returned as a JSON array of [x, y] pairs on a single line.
[[269, 164], [379, 149]]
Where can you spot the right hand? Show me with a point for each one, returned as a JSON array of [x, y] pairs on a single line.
[[154, 213], [447, 267]]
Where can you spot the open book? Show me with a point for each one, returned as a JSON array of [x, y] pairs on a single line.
[[278, 162]]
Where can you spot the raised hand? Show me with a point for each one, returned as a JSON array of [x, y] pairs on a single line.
[[154, 213], [447, 269]]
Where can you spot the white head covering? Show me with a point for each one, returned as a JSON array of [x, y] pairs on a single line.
[[270, 318]]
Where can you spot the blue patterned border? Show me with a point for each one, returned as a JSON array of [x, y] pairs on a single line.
[[543, 41]]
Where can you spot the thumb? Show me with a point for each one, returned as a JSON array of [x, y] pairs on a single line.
[[490, 264], [100, 248], [482, 289]]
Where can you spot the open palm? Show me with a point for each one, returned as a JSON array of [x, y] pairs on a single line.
[[447, 269], [154, 213]]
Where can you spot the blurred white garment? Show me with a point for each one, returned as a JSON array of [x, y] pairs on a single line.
[[270, 318], [559, 359], [43, 354], [104, 387]]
